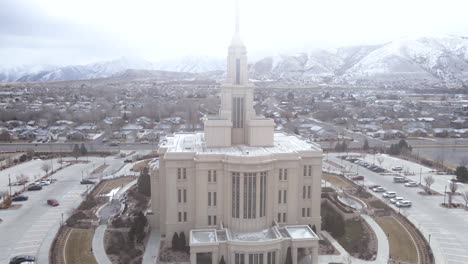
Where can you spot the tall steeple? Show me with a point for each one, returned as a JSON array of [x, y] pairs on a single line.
[[237, 56], [237, 122]]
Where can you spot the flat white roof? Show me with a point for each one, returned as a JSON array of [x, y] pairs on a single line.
[[195, 142], [300, 232], [203, 236]]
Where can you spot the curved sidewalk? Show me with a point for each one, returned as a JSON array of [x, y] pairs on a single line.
[[99, 251], [383, 248]]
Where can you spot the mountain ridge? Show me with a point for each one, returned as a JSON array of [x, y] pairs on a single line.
[[441, 60]]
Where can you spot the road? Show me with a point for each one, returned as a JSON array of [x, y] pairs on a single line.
[[446, 227], [68, 147], [30, 229]]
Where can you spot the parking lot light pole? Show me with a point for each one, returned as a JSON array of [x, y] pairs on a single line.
[[9, 182], [420, 175], [445, 193]]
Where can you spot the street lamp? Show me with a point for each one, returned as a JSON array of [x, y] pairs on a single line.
[[9, 182]]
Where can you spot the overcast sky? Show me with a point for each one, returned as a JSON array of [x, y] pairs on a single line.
[[84, 31]]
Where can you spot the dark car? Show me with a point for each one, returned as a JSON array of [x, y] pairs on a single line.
[[86, 181], [34, 188], [53, 202], [358, 178], [20, 198], [22, 259]]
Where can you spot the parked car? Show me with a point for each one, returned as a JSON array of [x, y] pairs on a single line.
[[403, 203], [379, 189], [34, 187], [22, 259], [20, 198], [399, 179], [411, 184], [373, 186], [389, 194], [397, 168], [397, 199], [53, 202], [358, 178], [43, 183], [87, 181]]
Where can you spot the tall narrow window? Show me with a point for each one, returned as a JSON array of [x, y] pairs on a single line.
[[214, 176], [184, 173], [284, 197], [179, 173], [305, 170], [279, 196], [262, 193], [235, 194], [303, 192], [284, 217], [309, 190], [310, 170], [279, 217], [308, 212], [185, 216], [280, 174], [179, 195], [185, 195], [209, 176], [214, 198], [285, 176], [238, 112], [214, 219], [180, 216], [250, 195], [209, 198], [209, 220], [237, 71]]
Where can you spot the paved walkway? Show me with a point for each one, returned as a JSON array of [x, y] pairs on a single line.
[[98, 245], [383, 249], [152, 248], [106, 212]]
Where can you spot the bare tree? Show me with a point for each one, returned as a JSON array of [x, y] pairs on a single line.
[[465, 197], [45, 167], [464, 161], [22, 179], [380, 160], [453, 189], [429, 180]]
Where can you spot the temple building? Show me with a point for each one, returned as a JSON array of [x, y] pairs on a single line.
[[238, 190]]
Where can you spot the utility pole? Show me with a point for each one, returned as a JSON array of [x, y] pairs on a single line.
[[9, 183], [445, 192]]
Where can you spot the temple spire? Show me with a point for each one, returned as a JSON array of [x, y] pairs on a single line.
[[237, 18]]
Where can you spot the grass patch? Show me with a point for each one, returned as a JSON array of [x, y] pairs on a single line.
[[336, 181], [78, 247], [402, 247], [140, 165]]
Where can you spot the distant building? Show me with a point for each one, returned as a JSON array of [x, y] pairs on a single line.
[[241, 191]]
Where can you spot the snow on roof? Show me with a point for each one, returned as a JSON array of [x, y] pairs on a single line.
[[195, 142], [265, 234], [300, 232], [204, 236]]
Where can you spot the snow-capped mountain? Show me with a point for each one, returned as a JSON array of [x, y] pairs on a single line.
[[441, 61]]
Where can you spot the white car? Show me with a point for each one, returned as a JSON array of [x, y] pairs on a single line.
[[396, 199], [379, 189], [403, 203], [389, 194], [43, 183], [411, 184], [397, 168]]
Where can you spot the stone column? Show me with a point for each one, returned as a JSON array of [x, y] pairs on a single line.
[[314, 255], [294, 255], [214, 257], [193, 257]]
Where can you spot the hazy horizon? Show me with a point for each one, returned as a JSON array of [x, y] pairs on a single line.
[[54, 32]]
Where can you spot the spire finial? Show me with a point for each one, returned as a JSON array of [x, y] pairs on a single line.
[[237, 16]]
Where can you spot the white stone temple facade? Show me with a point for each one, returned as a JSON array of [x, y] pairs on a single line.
[[238, 190]]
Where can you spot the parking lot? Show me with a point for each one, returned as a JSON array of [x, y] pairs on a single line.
[[31, 228], [447, 227]]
